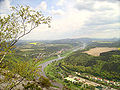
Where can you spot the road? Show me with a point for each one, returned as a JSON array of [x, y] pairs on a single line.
[[43, 65]]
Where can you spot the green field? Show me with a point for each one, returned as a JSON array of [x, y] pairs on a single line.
[[33, 43], [118, 48]]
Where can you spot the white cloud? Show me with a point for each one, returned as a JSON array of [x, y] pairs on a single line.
[[111, 33], [94, 18], [103, 6], [42, 6], [70, 21], [60, 2], [62, 26], [3, 15], [4, 6], [84, 4], [57, 12]]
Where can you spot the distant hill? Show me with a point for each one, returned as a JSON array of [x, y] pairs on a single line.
[[107, 43], [76, 41]]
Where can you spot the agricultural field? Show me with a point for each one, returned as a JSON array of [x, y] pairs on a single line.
[[118, 48], [96, 51], [33, 43]]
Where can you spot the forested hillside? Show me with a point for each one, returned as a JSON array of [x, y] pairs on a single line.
[[107, 65]]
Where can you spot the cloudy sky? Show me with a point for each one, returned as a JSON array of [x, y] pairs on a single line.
[[73, 18]]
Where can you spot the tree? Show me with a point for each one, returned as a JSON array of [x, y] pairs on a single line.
[[19, 23]]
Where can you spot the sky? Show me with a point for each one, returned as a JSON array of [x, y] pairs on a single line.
[[72, 18]]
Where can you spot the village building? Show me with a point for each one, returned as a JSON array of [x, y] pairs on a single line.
[[106, 81], [70, 76]]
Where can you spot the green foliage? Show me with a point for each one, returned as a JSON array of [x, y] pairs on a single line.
[[87, 65], [106, 66], [44, 82], [20, 66], [38, 84], [25, 69], [56, 73], [32, 86], [19, 23]]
